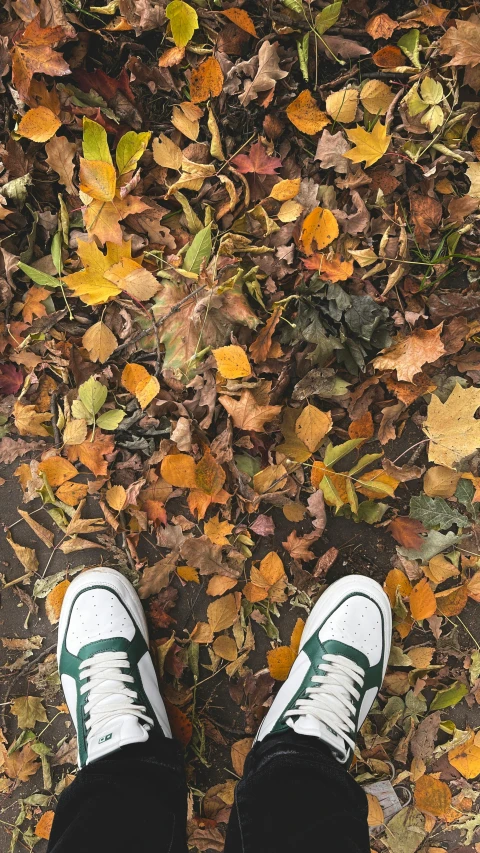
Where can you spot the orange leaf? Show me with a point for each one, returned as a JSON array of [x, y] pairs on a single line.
[[422, 601], [452, 601], [209, 475], [329, 269], [363, 427], [319, 227], [181, 726], [72, 493], [44, 825], [188, 573], [137, 380], [297, 635], [57, 470], [242, 19], [432, 796], [239, 752], [39, 124], [260, 347], [178, 469], [206, 81], [54, 601], [306, 115], [397, 580], [92, 453], [466, 758], [280, 662], [378, 478], [219, 584], [97, 179], [388, 57]]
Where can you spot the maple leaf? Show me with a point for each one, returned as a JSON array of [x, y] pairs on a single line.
[[30, 422], [268, 72], [298, 547], [92, 453], [33, 305], [462, 43], [369, 146], [331, 149], [33, 53], [22, 764], [408, 355], [257, 160], [11, 379], [451, 427], [106, 275], [247, 414]]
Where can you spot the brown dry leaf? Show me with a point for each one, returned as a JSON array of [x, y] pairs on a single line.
[[206, 81], [439, 569], [57, 470], [22, 764], [375, 812], [247, 414], [451, 427], [45, 535], [312, 426], [54, 601], [137, 380], [261, 346], [380, 26], [60, 158], [202, 633], [268, 72], [33, 53], [432, 796], [100, 342], [329, 267], [408, 355], [462, 43], [92, 453], [30, 422], [223, 612], [451, 602], [75, 432], [421, 656], [388, 57], [320, 228], [44, 825], [440, 482], [225, 647], [218, 584], [28, 710], [26, 556], [422, 601], [473, 587], [268, 581], [299, 547], [407, 531], [306, 115], [239, 752], [178, 469]]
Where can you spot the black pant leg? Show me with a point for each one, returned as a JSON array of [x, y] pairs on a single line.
[[132, 801], [295, 797]]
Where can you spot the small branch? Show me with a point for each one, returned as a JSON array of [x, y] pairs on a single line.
[[339, 80], [54, 410]]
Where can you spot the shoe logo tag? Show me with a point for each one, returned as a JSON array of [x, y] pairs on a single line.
[[105, 738]]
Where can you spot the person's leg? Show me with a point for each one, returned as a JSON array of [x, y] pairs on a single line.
[[296, 793], [130, 793]]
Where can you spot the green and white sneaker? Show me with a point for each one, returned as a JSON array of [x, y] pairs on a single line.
[[340, 667], [105, 667]]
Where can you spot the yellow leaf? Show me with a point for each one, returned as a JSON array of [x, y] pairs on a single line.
[[75, 432], [369, 146], [178, 469], [206, 81], [241, 19], [223, 612], [217, 531], [312, 426], [99, 342], [137, 380], [376, 484], [297, 636], [116, 497], [232, 362], [183, 21], [186, 124], [39, 124], [30, 422], [376, 97], [396, 580], [225, 647], [54, 601], [466, 758], [188, 573], [202, 633], [280, 661], [440, 482], [453, 430], [319, 227], [166, 153], [134, 279], [90, 284], [375, 811], [422, 601], [342, 105], [306, 115], [57, 470], [72, 493], [97, 179], [286, 190], [219, 584]]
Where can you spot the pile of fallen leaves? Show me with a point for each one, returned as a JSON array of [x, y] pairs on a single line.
[[239, 268]]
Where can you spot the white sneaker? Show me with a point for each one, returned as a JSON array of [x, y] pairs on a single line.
[[340, 667], [105, 667]]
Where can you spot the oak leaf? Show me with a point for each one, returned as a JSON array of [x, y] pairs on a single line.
[[451, 427], [247, 414], [369, 145], [268, 72]]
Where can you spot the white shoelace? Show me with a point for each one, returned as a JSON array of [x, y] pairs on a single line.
[[331, 702], [105, 675]]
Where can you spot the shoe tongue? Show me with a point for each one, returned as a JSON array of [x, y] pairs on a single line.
[[306, 724]]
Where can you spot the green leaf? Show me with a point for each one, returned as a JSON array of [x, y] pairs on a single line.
[[199, 250], [183, 21], [111, 419], [95, 142], [294, 6], [364, 461], [129, 150], [93, 395], [247, 464], [327, 17], [371, 511], [334, 454], [352, 496], [41, 278], [436, 513], [464, 494], [57, 252], [79, 412], [330, 492], [302, 49], [409, 44], [433, 544], [431, 91], [449, 697]]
